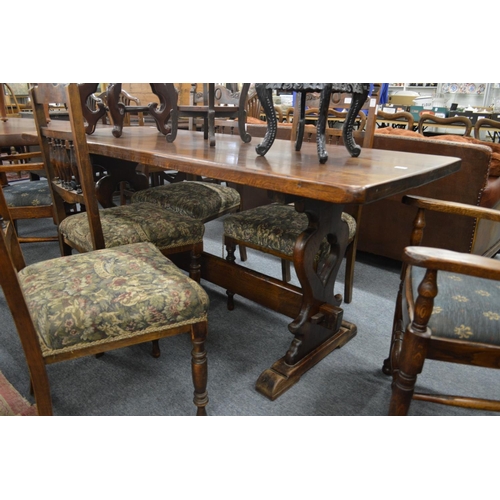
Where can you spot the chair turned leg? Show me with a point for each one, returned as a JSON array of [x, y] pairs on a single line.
[[243, 253], [411, 362], [350, 260], [195, 266], [231, 249], [155, 351], [286, 275], [199, 367]]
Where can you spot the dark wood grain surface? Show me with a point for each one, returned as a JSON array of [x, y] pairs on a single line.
[[12, 132], [374, 175]]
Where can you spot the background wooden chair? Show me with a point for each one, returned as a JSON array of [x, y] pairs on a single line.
[[209, 111], [12, 107], [28, 199], [460, 324], [59, 318], [401, 119], [71, 178], [427, 120], [487, 123]]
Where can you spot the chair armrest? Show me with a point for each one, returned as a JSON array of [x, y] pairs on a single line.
[[452, 207], [454, 262]]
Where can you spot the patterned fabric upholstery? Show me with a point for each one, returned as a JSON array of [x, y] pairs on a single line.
[[275, 227], [465, 308], [199, 200], [135, 223], [26, 194], [107, 295]]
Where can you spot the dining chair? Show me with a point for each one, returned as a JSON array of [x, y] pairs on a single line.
[[90, 303], [274, 229], [71, 178], [487, 123], [447, 309], [27, 198], [209, 111], [429, 120], [399, 119]]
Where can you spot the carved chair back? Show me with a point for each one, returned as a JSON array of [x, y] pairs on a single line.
[[66, 155]]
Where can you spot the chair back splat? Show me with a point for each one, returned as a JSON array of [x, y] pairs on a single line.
[[72, 179]]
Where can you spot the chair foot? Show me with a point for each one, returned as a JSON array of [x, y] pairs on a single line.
[[230, 300], [386, 367], [155, 351]]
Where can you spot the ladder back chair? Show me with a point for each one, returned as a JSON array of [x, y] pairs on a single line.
[[28, 199], [71, 179], [58, 319], [447, 309]]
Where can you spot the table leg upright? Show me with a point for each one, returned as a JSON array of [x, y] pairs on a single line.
[[319, 327]]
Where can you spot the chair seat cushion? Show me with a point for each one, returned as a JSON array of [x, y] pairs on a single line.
[[135, 223], [465, 308], [108, 294], [274, 227], [199, 200], [28, 194]]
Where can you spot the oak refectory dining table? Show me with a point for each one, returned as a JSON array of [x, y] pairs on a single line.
[[319, 190]]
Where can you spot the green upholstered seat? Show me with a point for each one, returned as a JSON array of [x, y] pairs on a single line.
[[28, 194], [274, 227], [465, 308], [200, 200], [135, 223], [107, 295]]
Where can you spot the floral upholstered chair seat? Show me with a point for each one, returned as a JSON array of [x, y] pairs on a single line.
[[27, 194], [199, 200], [135, 223], [275, 227], [465, 308], [107, 295]]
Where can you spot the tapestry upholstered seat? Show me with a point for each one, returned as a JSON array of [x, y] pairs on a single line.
[[134, 223], [274, 229], [203, 201], [108, 295]]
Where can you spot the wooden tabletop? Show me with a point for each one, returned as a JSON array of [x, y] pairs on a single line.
[[375, 174], [12, 132]]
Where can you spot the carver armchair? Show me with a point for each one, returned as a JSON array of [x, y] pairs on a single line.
[[447, 309]]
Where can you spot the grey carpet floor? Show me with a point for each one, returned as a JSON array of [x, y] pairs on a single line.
[[242, 343]]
